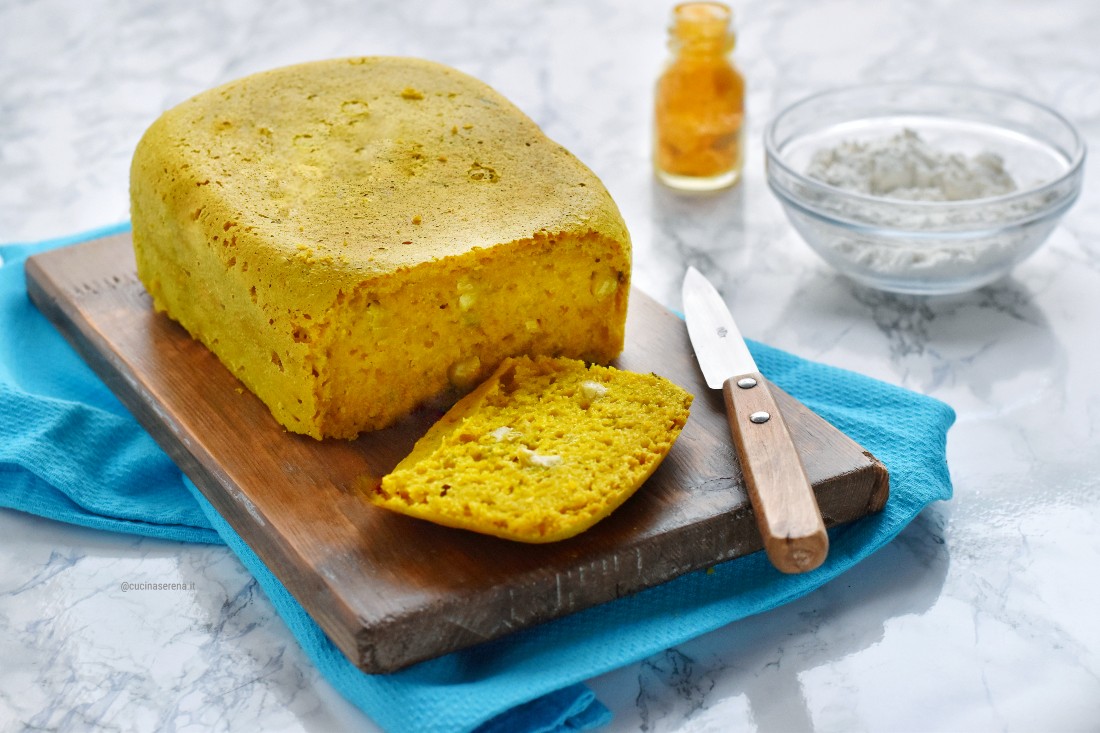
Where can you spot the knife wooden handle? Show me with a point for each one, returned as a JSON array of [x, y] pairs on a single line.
[[781, 494]]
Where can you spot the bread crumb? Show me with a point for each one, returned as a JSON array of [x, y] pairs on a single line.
[[463, 372], [592, 390], [535, 459], [504, 433]]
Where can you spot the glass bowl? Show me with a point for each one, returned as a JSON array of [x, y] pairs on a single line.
[[926, 247]]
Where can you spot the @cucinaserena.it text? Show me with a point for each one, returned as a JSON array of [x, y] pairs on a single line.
[[126, 586]]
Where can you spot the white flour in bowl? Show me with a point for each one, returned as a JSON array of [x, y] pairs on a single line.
[[908, 170], [906, 167]]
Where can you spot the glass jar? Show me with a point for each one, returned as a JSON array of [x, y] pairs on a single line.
[[700, 102]]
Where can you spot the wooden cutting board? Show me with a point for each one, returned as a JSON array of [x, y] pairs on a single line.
[[390, 590]]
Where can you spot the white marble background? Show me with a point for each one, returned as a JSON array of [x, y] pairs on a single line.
[[981, 616]]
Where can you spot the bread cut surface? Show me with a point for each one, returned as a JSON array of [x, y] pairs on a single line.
[[355, 236], [539, 452]]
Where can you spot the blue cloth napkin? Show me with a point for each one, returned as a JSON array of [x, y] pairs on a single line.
[[70, 451]]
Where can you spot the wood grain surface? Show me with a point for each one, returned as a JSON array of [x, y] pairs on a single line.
[[390, 590]]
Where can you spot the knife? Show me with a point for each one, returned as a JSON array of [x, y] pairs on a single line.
[[781, 494]]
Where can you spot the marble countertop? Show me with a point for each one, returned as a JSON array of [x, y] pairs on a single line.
[[980, 616]]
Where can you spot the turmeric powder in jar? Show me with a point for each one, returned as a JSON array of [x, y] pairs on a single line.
[[700, 102]]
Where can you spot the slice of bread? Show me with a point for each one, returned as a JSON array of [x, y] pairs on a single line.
[[540, 452]]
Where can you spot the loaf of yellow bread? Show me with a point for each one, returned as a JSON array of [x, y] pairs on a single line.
[[541, 451], [353, 237]]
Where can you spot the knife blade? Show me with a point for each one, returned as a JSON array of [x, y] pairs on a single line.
[[782, 497]]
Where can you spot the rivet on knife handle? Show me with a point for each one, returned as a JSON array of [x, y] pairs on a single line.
[[781, 494]]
